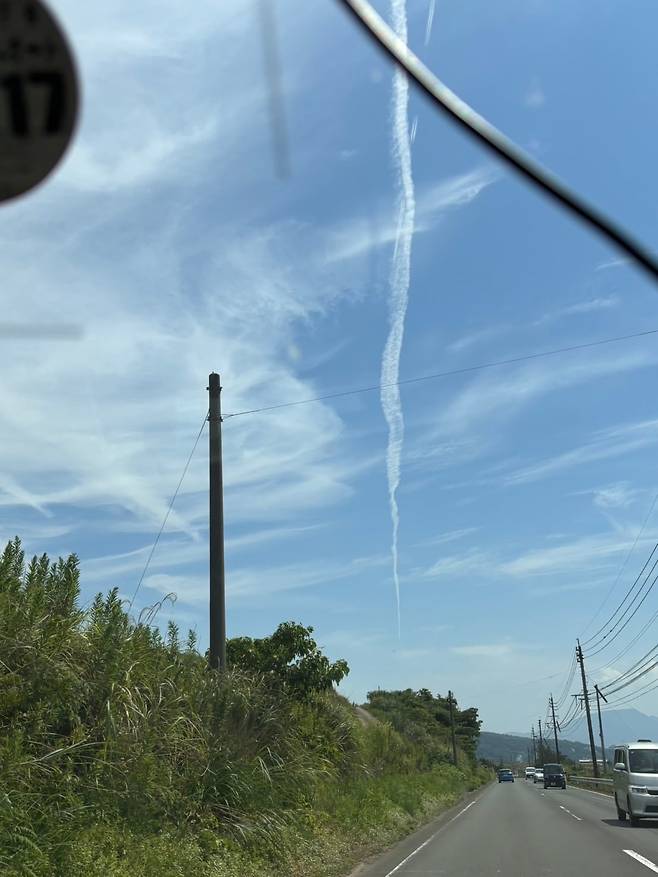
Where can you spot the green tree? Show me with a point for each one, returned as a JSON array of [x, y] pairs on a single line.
[[290, 657]]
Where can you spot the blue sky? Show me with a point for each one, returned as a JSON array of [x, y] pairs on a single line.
[[168, 239]]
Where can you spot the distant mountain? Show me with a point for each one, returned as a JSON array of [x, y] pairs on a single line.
[[513, 749], [619, 726]]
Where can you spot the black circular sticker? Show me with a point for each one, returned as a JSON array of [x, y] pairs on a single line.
[[39, 95]]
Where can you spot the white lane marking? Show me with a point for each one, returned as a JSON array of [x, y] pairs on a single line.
[[592, 792], [429, 840], [579, 818], [646, 862]]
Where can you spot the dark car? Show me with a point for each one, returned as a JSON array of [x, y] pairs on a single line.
[[554, 776], [505, 776]]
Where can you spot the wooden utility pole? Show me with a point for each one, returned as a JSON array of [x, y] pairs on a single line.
[[557, 748], [217, 657], [534, 748], [541, 744], [452, 728], [581, 661], [600, 694]]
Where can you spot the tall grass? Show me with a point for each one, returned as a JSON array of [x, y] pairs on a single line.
[[121, 754]]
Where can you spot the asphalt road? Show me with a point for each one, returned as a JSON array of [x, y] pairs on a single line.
[[520, 830]]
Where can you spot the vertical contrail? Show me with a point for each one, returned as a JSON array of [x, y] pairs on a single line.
[[430, 21], [400, 275]]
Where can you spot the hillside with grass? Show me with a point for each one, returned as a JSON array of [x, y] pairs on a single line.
[[122, 755]]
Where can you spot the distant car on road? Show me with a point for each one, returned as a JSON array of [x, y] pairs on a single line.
[[554, 776], [505, 776], [636, 780], [539, 776], [529, 773]]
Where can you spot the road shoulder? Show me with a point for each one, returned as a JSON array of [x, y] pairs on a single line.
[[388, 859]]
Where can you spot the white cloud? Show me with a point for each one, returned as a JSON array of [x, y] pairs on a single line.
[[601, 303], [251, 582], [586, 554], [615, 496], [359, 235], [474, 338], [613, 442], [612, 263], [451, 536], [470, 562], [501, 396]]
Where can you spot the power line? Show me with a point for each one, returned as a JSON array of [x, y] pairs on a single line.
[[628, 593], [567, 685], [604, 645], [651, 653], [634, 695], [171, 505], [475, 125], [623, 567], [632, 680], [630, 645], [446, 374]]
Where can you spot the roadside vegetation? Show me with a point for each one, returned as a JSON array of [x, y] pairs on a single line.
[[121, 755]]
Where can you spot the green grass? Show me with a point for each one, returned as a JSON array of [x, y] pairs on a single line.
[[122, 754]]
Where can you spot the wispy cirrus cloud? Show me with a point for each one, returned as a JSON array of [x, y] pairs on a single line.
[[601, 303], [357, 236], [606, 444], [501, 397], [246, 583]]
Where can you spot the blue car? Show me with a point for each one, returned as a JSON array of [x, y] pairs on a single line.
[[505, 776]]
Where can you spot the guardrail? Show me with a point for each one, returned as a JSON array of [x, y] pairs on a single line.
[[598, 782]]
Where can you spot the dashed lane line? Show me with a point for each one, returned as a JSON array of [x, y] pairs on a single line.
[[562, 807], [646, 862]]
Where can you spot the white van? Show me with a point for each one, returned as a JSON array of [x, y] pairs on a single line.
[[636, 780]]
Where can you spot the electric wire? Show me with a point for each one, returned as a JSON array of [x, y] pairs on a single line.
[[641, 661], [621, 570], [445, 374], [630, 645], [598, 646], [171, 505], [474, 124], [630, 617], [650, 665], [633, 695], [567, 685]]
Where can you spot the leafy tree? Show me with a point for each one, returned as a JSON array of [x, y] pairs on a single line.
[[290, 657]]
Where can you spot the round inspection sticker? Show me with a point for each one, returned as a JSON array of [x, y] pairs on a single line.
[[38, 95]]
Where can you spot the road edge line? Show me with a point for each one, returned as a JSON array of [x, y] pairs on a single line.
[[430, 839]]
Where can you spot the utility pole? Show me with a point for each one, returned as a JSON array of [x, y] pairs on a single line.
[[217, 582], [581, 661], [557, 749], [534, 748], [598, 707], [541, 744], [452, 728]]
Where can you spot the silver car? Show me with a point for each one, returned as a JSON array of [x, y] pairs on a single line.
[[538, 776], [636, 780]]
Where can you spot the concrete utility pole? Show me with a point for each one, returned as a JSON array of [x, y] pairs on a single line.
[[557, 749], [581, 661], [452, 728], [600, 694], [541, 744], [217, 657]]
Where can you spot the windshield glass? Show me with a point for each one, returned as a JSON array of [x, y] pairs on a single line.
[[553, 768], [643, 760]]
